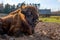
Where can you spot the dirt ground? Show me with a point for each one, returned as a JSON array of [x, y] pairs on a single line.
[[43, 31]]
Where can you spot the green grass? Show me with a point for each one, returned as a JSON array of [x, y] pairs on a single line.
[[50, 19]]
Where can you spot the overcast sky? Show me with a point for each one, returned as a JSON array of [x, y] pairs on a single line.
[[54, 5]]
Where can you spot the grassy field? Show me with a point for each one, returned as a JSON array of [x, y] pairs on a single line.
[[50, 19]]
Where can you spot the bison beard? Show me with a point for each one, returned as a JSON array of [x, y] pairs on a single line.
[[18, 22]]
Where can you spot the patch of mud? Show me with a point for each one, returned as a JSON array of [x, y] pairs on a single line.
[[43, 31]]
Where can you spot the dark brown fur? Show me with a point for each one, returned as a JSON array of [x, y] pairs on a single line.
[[18, 21], [31, 14]]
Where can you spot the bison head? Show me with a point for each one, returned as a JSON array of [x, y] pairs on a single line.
[[31, 14]]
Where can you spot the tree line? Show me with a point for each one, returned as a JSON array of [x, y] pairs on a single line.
[[9, 8]]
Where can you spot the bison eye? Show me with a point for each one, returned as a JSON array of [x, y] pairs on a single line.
[[24, 12]]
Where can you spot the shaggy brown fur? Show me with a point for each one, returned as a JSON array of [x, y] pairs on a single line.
[[31, 14], [20, 21], [13, 24], [20, 24]]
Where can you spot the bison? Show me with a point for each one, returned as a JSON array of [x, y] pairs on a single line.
[[20, 21]]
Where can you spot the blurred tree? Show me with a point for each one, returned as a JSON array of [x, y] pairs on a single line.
[[1, 8], [21, 4], [39, 5], [12, 8], [7, 8]]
